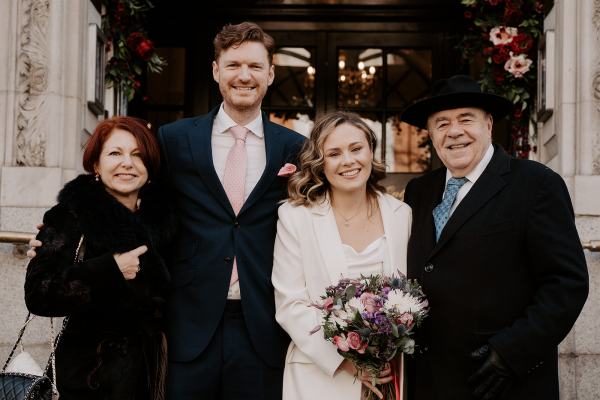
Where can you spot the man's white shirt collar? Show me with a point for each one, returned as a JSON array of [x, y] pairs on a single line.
[[223, 122]]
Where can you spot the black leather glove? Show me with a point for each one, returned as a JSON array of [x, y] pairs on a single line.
[[493, 378]]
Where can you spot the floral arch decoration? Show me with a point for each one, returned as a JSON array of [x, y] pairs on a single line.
[[133, 53], [504, 34]]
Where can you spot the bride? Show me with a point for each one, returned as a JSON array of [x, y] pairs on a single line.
[[338, 222]]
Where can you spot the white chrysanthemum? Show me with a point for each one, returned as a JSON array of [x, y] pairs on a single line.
[[355, 305], [340, 317], [409, 346], [402, 302]]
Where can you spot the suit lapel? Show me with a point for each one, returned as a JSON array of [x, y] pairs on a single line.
[[488, 184], [199, 140], [274, 148], [328, 239], [391, 227]]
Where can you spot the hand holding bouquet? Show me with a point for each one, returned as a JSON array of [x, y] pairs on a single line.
[[370, 320]]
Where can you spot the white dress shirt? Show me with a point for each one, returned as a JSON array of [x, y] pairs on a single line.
[[221, 142], [471, 177]]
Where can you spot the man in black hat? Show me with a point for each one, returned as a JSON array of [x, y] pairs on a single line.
[[495, 248]]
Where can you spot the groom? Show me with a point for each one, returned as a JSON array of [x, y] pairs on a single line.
[[495, 248], [224, 169]]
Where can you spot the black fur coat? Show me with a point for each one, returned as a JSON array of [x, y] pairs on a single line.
[[113, 346]]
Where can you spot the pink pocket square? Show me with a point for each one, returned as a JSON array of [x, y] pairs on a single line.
[[287, 170]]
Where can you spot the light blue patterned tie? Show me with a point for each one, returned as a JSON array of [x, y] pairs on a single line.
[[441, 212]]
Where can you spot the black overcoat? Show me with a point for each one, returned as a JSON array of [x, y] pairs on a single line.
[[113, 345], [508, 269]]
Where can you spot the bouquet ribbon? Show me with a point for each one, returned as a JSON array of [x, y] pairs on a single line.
[[398, 377]]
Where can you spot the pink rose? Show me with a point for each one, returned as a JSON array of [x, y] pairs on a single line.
[[341, 343], [502, 34], [518, 65], [406, 319], [353, 340], [369, 300], [287, 170], [327, 304]]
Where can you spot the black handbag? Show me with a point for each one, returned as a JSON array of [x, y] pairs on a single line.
[[18, 386], [22, 386]]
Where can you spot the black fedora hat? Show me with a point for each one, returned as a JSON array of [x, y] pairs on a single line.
[[455, 92]]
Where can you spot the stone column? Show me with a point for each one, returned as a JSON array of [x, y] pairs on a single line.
[[43, 114], [569, 142]]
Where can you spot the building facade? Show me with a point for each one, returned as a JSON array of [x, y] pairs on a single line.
[[388, 51]]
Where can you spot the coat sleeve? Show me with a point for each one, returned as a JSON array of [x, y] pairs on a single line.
[[408, 199], [293, 304], [557, 265], [55, 286]]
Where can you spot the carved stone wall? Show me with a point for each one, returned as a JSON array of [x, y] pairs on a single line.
[[596, 89], [32, 70]]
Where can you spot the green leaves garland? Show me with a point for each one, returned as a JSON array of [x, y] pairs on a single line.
[[505, 34], [133, 52]]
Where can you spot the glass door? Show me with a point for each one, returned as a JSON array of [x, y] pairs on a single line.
[[297, 96], [376, 75]]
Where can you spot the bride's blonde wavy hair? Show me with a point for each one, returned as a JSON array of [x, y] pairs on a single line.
[[309, 186]]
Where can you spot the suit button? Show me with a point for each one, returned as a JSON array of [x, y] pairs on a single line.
[[236, 224], [227, 259], [429, 268]]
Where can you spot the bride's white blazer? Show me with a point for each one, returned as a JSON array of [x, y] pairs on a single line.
[[309, 257]]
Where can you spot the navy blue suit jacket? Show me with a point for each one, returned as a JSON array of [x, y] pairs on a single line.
[[211, 235]]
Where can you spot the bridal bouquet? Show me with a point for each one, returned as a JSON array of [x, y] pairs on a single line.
[[371, 320]]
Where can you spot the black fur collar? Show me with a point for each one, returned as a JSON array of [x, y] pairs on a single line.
[[103, 218]]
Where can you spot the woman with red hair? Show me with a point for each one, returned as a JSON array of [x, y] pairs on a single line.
[[100, 264]]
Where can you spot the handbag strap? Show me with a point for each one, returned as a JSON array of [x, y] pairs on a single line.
[[51, 364], [79, 253], [80, 250], [19, 338]]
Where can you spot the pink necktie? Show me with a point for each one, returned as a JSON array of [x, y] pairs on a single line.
[[234, 179]]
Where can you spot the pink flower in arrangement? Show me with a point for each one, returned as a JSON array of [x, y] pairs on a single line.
[[341, 343], [518, 65], [353, 340], [406, 319], [362, 348], [369, 300], [327, 304], [500, 35], [287, 170]]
